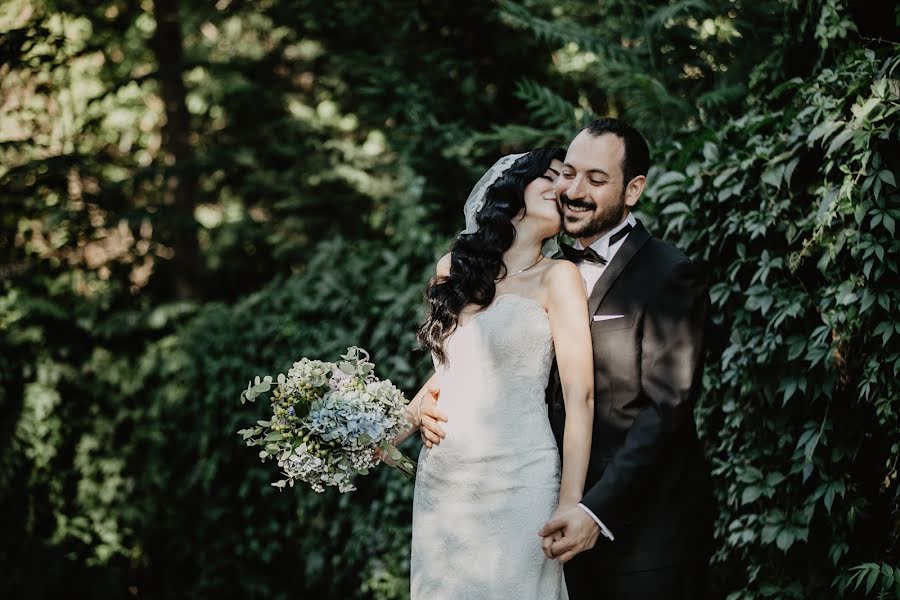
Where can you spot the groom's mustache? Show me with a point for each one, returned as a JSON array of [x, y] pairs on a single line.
[[576, 203]]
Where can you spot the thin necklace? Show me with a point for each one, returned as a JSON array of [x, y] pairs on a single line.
[[522, 270]]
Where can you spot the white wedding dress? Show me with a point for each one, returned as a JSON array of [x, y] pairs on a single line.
[[485, 491]]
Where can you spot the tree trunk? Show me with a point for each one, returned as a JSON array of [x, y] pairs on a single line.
[[180, 186]]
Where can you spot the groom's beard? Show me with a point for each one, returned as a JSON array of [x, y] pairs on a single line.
[[599, 224]]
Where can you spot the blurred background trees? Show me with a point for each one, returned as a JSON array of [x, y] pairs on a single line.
[[195, 193]]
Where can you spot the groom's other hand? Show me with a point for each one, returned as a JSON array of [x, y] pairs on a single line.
[[580, 533], [430, 418]]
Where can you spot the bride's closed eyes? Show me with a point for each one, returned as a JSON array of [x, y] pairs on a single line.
[[550, 175]]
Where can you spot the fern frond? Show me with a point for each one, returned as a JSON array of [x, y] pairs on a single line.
[[561, 32], [646, 99], [721, 96], [519, 137], [547, 107]]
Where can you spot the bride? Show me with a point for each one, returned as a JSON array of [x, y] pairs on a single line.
[[499, 309]]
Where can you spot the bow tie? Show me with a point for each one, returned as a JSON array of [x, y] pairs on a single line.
[[577, 256], [589, 254]]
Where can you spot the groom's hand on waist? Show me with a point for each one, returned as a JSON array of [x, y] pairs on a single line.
[[580, 533], [430, 418]]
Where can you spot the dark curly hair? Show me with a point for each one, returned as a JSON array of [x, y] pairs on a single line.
[[476, 259]]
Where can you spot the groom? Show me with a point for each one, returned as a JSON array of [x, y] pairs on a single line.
[[643, 529]]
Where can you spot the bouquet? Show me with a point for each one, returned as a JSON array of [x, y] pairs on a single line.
[[330, 421]]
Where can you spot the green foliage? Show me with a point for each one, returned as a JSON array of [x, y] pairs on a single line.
[[663, 64], [163, 485], [300, 542], [792, 211], [879, 578], [548, 108]]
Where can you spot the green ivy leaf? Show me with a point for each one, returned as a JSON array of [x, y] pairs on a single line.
[[888, 222], [838, 142], [750, 494], [829, 497], [785, 539]]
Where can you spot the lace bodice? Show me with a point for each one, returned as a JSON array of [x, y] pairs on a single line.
[[498, 364]]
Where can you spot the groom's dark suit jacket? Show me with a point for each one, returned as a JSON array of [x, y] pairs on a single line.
[[647, 479]]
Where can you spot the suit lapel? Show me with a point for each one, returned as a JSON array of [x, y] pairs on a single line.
[[635, 240]]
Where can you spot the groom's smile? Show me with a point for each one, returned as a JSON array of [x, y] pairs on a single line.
[[576, 214]]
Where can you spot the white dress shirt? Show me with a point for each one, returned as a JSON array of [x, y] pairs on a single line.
[[590, 273]]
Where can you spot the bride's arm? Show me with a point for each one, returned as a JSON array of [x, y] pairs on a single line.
[[570, 326], [415, 411]]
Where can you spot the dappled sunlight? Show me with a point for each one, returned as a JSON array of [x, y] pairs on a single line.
[[190, 192]]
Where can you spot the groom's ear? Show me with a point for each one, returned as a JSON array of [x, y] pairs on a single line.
[[634, 190]]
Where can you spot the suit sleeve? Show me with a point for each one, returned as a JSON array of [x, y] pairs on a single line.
[[671, 369]]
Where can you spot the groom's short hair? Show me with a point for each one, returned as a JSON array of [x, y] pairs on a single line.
[[637, 153]]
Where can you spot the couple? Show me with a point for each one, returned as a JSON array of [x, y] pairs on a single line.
[[606, 340]]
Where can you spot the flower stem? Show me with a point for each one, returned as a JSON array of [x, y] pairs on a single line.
[[405, 465]]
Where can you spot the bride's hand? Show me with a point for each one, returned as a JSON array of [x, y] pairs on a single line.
[[580, 532], [555, 536], [547, 544], [428, 418]]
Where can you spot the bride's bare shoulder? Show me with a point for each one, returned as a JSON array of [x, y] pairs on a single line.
[[443, 266], [560, 269]]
